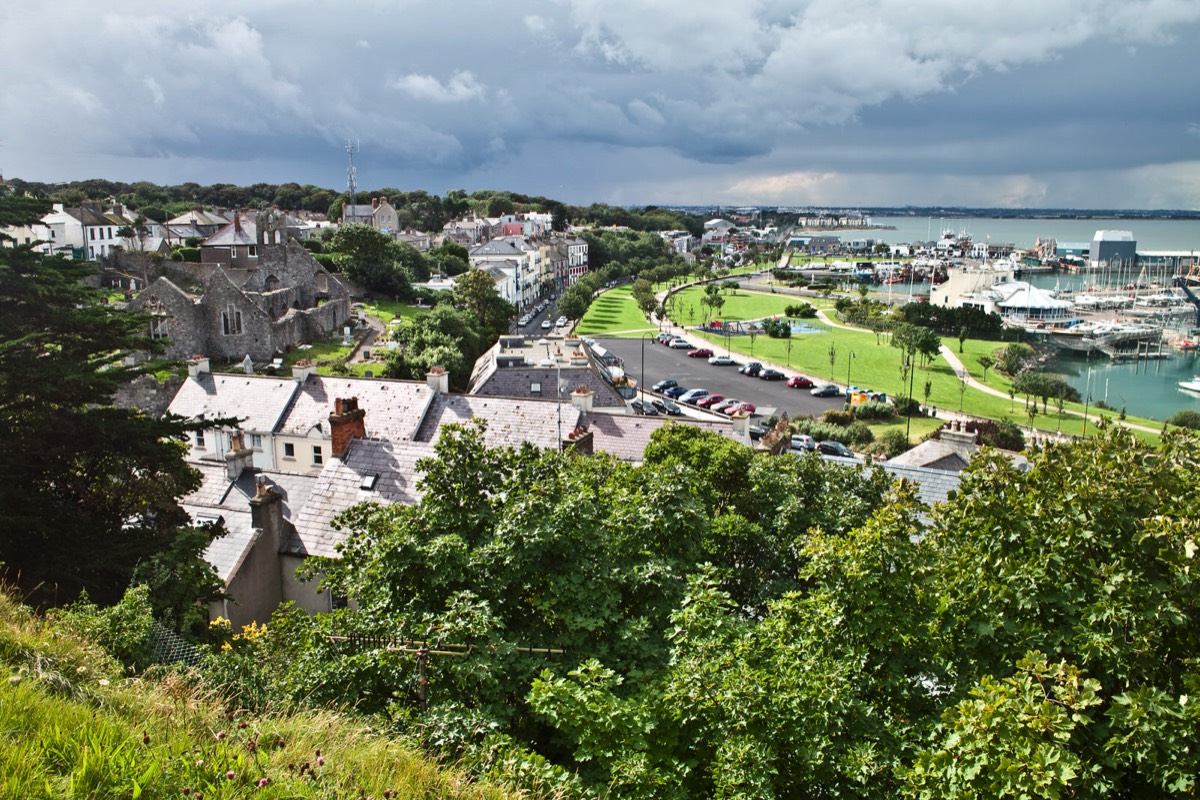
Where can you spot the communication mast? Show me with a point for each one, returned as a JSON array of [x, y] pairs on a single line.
[[351, 173]]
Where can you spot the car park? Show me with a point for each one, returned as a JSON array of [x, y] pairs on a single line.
[[674, 392], [708, 401], [740, 408], [832, 448], [828, 390], [666, 406], [799, 382], [751, 368], [680, 344], [720, 361], [692, 395], [771, 375], [700, 352], [802, 441], [663, 385]]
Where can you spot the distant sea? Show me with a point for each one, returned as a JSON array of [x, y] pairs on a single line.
[[1150, 234]]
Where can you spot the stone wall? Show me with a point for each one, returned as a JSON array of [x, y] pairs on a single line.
[[146, 394]]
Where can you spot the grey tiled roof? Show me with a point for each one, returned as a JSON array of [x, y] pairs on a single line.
[[340, 486], [510, 421], [227, 552], [218, 497], [394, 409], [933, 485], [626, 436], [259, 399]]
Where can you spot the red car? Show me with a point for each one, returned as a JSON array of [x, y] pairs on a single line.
[[799, 382], [700, 352], [739, 408], [710, 400]]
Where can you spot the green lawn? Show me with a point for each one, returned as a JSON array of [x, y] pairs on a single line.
[[388, 310], [614, 312]]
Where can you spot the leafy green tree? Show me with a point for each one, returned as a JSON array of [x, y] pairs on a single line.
[[987, 362], [376, 262], [475, 292], [88, 491]]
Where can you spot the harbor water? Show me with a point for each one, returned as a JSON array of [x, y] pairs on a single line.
[[1144, 388]]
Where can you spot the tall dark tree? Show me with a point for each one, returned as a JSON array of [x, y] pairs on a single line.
[[88, 491]]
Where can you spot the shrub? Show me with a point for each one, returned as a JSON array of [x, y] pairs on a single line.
[[873, 410], [801, 311], [859, 434], [1004, 435], [1186, 419], [840, 417], [892, 444], [907, 406]]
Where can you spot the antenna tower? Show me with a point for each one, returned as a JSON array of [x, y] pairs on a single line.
[[351, 172]]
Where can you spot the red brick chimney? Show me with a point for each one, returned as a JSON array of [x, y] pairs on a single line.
[[345, 423]]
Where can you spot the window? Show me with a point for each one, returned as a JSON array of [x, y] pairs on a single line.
[[252, 250], [256, 441], [92, 233], [318, 457], [231, 321], [289, 451], [535, 387], [200, 439]]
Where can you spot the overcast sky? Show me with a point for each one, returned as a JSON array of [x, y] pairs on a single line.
[[1034, 103]]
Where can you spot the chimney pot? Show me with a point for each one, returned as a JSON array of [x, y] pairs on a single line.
[[438, 379], [198, 366]]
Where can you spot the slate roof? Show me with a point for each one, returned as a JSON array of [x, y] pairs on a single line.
[[340, 486], [933, 485], [510, 421], [394, 409], [220, 498], [259, 400], [241, 232], [626, 436]]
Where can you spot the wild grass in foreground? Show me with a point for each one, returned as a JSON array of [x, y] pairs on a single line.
[[73, 725]]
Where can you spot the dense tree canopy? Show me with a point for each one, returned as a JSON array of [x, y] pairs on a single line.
[[740, 625], [88, 491]]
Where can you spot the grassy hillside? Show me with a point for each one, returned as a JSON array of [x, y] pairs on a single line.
[[72, 725]]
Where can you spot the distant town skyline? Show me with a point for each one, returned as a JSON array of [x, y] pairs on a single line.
[[868, 103]]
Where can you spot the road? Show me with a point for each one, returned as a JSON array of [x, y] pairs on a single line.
[[769, 396]]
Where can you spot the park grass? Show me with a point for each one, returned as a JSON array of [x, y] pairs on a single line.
[[77, 725], [388, 310], [614, 313]]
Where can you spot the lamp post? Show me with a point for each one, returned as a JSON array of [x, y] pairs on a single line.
[[642, 374], [908, 427], [849, 360], [1087, 401]]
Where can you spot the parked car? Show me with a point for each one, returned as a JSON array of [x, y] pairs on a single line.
[[828, 390], [724, 404], [546, 325], [751, 368], [674, 392], [664, 338], [800, 382], [757, 432], [802, 441], [561, 322], [666, 406], [680, 344], [832, 448], [720, 361], [646, 408], [772, 375], [739, 408], [692, 395], [708, 401], [663, 385], [700, 352]]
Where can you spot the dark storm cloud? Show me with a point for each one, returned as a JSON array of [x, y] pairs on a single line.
[[823, 101]]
